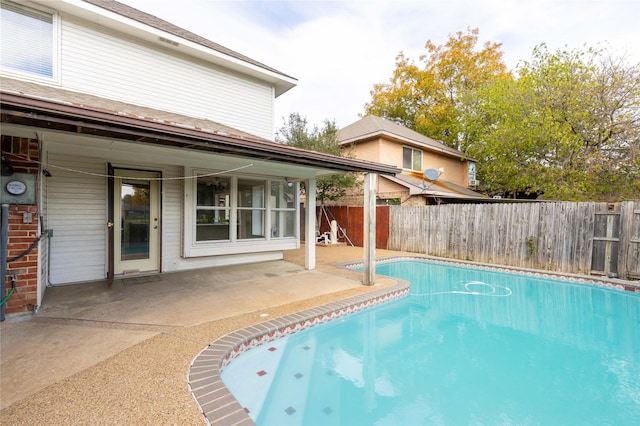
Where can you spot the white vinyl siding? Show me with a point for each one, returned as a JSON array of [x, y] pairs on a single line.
[[104, 64], [171, 217], [76, 213]]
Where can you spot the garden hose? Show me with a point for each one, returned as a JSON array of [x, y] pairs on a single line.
[[13, 288], [13, 259]]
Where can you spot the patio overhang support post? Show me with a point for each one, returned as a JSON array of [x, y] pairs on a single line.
[[310, 225], [369, 231]]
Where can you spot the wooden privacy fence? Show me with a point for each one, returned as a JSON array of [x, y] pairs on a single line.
[[584, 238], [351, 221]]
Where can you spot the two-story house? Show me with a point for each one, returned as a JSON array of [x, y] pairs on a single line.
[[132, 146], [432, 172]]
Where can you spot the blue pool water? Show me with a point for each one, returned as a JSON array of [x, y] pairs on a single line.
[[466, 347]]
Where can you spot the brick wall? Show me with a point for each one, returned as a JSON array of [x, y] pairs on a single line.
[[23, 153]]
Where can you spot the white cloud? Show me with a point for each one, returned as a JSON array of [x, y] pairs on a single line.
[[339, 49]]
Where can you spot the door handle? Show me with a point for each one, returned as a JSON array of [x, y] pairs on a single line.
[[109, 225]]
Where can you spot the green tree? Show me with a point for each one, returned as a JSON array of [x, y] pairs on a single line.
[[567, 127], [428, 97], [504, 144], [295, 132]]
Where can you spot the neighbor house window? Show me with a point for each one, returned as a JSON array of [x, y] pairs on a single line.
[[27, 40], [472, 174], [283, 209], [411, 158]]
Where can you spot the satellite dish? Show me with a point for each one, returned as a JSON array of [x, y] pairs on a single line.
[[431, 174]]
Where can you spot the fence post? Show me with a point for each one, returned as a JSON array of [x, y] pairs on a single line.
[[626, 229]]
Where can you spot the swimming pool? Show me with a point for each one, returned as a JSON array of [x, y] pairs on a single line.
[[467, 346]]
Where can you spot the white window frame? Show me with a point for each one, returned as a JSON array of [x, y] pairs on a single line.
[[257, 196], [274, 231], [55, 41], [235, 245], [413, 152]]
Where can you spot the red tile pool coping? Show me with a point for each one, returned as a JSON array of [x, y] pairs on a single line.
[[220, 407]]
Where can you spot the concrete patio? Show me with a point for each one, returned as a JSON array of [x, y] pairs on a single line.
[[120, 355]]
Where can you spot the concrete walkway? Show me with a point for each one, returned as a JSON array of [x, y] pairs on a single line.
[[120, 355]]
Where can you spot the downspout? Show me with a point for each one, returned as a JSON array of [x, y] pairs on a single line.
[[4, 241]]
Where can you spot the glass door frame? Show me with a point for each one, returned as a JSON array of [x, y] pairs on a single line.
[[118, 265]]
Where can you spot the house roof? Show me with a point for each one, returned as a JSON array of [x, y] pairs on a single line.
[[371, 127], [282, 81], [41, 106], [438, 188]]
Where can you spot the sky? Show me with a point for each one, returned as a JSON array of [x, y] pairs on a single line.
[[338, 50]]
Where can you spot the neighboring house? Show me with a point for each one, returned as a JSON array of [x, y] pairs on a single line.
[[131, 146], [450, 175]]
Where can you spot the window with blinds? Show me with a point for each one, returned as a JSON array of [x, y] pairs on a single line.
[[27, 40]]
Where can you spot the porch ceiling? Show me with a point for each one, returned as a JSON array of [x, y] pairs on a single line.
[[45, 107]]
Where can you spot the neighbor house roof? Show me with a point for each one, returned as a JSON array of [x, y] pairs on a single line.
[[371, 127], [38, 105], [438, 188]]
